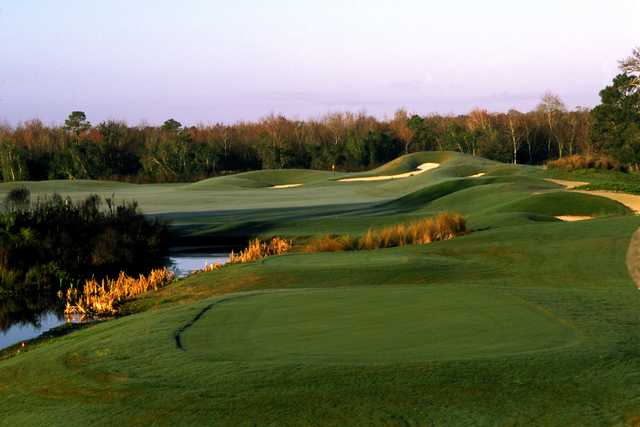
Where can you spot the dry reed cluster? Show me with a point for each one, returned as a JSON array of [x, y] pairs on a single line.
[[577, 161], [257, 250], [102, 298], [210, 267], [443, 226]]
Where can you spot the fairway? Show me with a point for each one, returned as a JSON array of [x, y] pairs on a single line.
[[524, 320], [373, 325], [320, 214]]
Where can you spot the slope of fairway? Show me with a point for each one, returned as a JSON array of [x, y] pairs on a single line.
[[247, 203], [260, 179], [527, 320], [512, 326], [372, 325]]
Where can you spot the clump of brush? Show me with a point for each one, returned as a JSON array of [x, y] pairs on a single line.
[[102, 298], [258, 250], [443, 226]]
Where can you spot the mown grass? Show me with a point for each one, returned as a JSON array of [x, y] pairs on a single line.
[[130, 371], [525, 321], [622, 187], [608, 180]]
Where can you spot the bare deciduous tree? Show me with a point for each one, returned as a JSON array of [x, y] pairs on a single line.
[[551, 108], [516, 130], [400, 125], [478, 121]]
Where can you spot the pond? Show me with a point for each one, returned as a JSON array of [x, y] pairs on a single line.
[[183, 263], [22, 319], [26, 330]]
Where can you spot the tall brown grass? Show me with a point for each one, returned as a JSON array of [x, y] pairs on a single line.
[[210, 267], [103, 298], [443, 226], [257, 250], [577, 161]]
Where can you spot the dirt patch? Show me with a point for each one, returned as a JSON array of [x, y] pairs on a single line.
[[421, 169], [571, 218]]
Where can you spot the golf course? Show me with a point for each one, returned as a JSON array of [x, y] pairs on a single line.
[[530, 317]]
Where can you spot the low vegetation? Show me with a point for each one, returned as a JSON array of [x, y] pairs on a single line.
[[577, 162], [443, 226], [51, 243], [257, 250], [102, 298]]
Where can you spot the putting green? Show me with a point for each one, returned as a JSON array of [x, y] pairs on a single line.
[[371, 325]]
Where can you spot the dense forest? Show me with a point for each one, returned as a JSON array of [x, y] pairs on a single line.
[[351, 142]]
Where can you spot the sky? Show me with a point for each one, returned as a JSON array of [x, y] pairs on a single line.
[[222, 61]]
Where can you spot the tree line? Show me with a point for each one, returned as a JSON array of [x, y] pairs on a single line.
[[350, 142]]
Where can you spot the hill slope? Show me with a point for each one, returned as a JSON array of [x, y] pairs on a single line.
[[526, 321]]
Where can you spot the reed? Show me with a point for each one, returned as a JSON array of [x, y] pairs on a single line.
[[211, 267], [443, 226], [258, 250], [368, 241], [330, 243], [103, 298]]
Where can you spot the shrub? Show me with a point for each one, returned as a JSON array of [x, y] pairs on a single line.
[[56, 238], [575, 162], [17, 199]]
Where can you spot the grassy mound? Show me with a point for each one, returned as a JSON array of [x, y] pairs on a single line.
[[261, 179]]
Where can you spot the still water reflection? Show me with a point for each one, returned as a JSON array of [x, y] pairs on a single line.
[[26, 318]]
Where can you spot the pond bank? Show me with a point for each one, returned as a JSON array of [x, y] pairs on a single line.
[[33, 321]]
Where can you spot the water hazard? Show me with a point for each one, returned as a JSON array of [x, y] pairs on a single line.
[[24, 319]]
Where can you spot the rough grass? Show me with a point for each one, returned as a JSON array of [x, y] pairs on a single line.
[[577, 161], [443, 226], [103, 298], [257, 250]]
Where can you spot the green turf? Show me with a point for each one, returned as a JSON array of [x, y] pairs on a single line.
[[525, 321], [373, 325]]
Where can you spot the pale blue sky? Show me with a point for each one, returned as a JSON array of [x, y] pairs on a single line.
[[225, 61]]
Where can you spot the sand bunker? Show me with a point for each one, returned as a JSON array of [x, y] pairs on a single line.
[[421, 169], [286, 186], [631, 201], [477, 175], [569, 185], [572, 218]]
